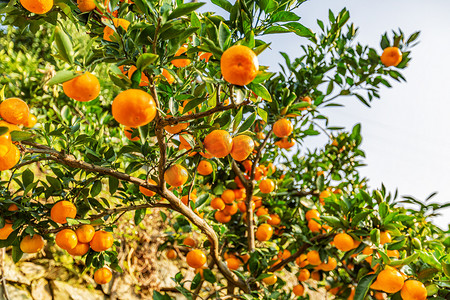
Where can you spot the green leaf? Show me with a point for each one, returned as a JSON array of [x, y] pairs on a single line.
[[62, 76], [333, 221], [224, 36], [184, 9], [375, 236], [299, 29], [223, 4], [248, 123], [284, 16], [27, 177], [54, 182], [209, 276], [139, 215], [113, 184], [359, 217], [145, 60], [96, 188], [64, 45], [276, 29], [16, 254], [260, 90], [196, 281], [193, 104], [18, 136], [363, 286], [263, 114], [3, 130]]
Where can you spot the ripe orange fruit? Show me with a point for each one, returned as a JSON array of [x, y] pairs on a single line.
[[144, 78], [10, 159], [298, 290], [6, 231], [79, 250], [5, 144], [217, 203], [171, 254], [204, 168], [190, 242], [221, 217], [385, 237], [308, 100], [343, 242], [170, 79], [219, 143], [83, 88], [103, 275], [330, 265], [266, 186], [177, 128], [196, 258], [108, 32], [380, 296], [389, 280], [391, 56], [205, 55], [312, 214], [31, 122], [176, 175], [247, 165], [62, 210], [285, 143], [181, 62], [32, 244], [13, 207], [315, 275], [274, 220], [393, 253], [230, 209], [128, 131], [413, 290], [283, 128], [302, 261], [148, 192], [233, 263], [228, 196], [193, 197], [313, 258], [323, 195], [314, 226], [14, 111], [66, 239], [101, 241], [86, 5], [303, 275], [37, 6], [239, 194], [239, 65], [85, 233], [243, 146], [262, 211], [134, 108], [272, 279], [264, 232]]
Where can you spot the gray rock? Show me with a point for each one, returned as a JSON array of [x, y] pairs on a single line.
[[123, 288], [13, 274], [32, 271], [64, 291], [40, 289], [15, 293]]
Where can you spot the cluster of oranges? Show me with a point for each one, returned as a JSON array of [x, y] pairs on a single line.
[[14, 113]]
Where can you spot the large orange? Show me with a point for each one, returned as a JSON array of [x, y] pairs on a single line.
[[176, 175], [134, 108], [101, 241], [204, 168], [228, 196], [233, 263], [217, 203], [79, 250], [243, 146], [15, 111], [313, 258], [32, 244], [330, 265], [66, 239], [196, 258], [144, 79], [303, 275], [148, 192], [230, 209], [6, 231], [283, 128], [391, 56], [5, 144], [343, 242], [181, 62], [239, 65], [221, 217], [312, 214], [274, 220], [86, 5], [82, 88], [62, 210], [10, 159], [218, 143], [85, 233], [389, 280], [264, 232], [266, 186], [109, 32], [103, 275], [413, 290], [37, 6]]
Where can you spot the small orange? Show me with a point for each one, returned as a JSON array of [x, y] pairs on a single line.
[[389, 280], [393, 253], [146, 191], [380, 296], [313, 258], [14, 111], [228, 196], [238, 181], [233, 263], [302, 261], [315, 276], [85, 233], [10, 159], [217, 203], [66, 239], [243, 146], [170, 79], [323, 195], [283, 128], [5, 144], [86, 5], [343, 242], [239, 65], [274, 220], [37, 6], [32, 244], [303, 275], [247, 165], [230, 209], [171, 254], [285, 143], [314, 226], [5, 231], [219, 143], [128, 131], [298, 290], [272, 279], [239, 194], [312, 214], [82, 88], [385, 237], [103, 275], [176, 175], [190, 242], [181, 62], [266, 186], [262, 211], [62, 210], [330, 265], [308, 100], [177, 128], [101, 241], [264, 232], [79, 250], [193, 198], [31, 122], [144, 78], [221, 217], [243, 207], [413, 290], [205, 55], [13, 207], [196, 258], [204, 168], [391, 56], [108, 32], [134, 108]]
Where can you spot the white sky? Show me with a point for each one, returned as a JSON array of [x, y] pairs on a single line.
[[406, 132]]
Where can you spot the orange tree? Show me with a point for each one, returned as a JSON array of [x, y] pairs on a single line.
[[165, 107]]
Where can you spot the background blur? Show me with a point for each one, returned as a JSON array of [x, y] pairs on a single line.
[[407, 132]]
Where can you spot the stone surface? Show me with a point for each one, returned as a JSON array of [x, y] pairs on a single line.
[[13, 274], [64, 291], [32, 271], [15, 293], [40, 289], [123, 288]]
